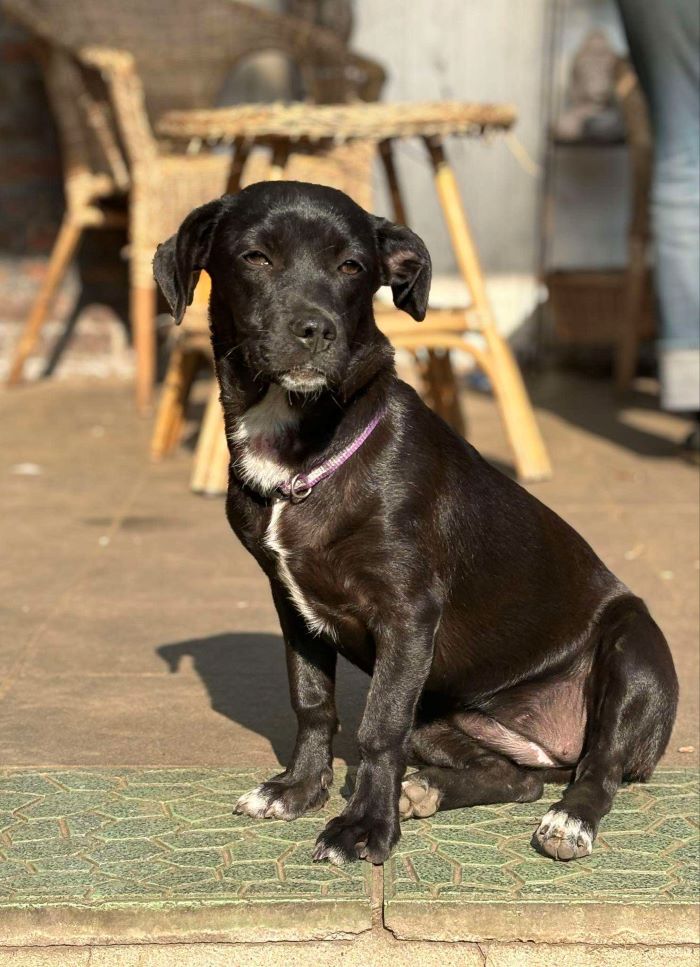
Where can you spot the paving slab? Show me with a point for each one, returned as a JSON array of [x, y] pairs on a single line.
[[157, 856], [471, 874]]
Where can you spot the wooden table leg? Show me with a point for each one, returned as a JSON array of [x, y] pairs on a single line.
[[280, 157], [61, 255], [212, 428], [440, 389], [392, 179], [241, 152], [531, 459]]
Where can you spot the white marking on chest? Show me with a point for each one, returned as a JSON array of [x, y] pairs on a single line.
[[256, 435], [259, 431], [273, 542]]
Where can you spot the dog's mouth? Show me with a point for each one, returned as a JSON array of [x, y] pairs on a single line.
[[303, 379]]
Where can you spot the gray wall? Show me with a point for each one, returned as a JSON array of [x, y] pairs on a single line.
[[494, 50]]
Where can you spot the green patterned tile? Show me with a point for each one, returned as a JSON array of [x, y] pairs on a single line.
[[132, 843], [478, 866], [202, 809], [142, 827], [11, 802], [34, 830], [26, 781], [136, 843]]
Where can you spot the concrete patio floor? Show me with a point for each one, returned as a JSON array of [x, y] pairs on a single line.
[[138, 634]]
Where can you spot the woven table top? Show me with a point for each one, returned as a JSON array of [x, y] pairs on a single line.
[[339, 122]]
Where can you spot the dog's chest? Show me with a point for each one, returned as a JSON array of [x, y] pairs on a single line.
[[274, 542], [261, 435]]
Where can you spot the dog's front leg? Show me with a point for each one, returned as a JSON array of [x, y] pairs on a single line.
[[368, 828], [304, 784]]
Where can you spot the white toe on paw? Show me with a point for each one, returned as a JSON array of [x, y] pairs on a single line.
[[277, 810], [336, 856], [564, 837], [253, 803]]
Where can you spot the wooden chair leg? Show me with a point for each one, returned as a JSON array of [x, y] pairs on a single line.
[[64, 248], [171, 408], [531, 459], [143, 316], [217, 478], [212, 429]]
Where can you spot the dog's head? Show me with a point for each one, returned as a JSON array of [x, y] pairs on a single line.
[[294, 268]]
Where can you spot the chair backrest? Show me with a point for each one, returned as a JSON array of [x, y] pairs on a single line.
[[184, 49]]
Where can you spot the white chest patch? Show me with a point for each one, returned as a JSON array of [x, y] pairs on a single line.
[[273, 542], [259, 431]]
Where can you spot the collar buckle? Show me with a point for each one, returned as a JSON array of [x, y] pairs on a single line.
[[299, 488]]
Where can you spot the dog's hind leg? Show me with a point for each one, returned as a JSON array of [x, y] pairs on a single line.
[[460, 772], [632, 700]]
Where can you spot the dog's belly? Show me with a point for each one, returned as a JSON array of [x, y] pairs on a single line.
[[535, 724]]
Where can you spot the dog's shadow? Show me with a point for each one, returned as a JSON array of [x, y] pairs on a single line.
[[246, 678]]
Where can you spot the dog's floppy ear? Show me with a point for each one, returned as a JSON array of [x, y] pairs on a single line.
[[406, 266], [178, 262]]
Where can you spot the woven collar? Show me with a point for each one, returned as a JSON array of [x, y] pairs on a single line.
[[298, 487]]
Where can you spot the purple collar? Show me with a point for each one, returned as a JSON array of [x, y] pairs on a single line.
[[298, 487]]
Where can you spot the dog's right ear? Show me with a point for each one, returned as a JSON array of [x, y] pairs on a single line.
[[178, 262]]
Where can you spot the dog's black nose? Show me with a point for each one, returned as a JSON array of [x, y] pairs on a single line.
[[315, 332]]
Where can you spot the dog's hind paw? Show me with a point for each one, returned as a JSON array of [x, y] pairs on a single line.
[[418, 798], [563, 837]]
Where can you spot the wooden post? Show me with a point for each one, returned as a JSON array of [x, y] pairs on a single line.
[[531, 459]]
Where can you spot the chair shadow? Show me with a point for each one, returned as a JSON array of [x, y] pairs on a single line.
[[246, 679]]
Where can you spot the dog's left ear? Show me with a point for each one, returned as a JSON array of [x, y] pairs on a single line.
[[178, 262], [406, 266]]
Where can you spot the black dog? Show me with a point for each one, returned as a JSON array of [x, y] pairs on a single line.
[[502, 651]]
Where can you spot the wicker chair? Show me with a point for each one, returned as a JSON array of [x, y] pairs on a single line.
[[112, 70]]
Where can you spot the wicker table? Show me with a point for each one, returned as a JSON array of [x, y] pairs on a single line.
[[287, 129]]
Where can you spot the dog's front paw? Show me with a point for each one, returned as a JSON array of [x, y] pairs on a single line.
[[281, 799], [353, 837], [563, 836]]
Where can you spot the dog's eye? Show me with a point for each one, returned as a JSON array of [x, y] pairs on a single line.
[[350, 267], [256, 258]]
